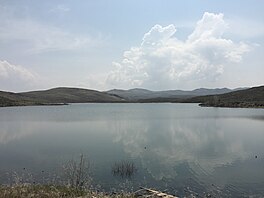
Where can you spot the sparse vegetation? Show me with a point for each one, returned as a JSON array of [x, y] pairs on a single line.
[[124, 169], [78, 184], [51, 191], [78, 173]]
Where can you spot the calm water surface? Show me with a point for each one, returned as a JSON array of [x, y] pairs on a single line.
[[182, 148]]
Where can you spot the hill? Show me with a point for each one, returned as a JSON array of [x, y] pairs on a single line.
[[71, 95], [15, 99], [131, 94], [252, 97], [59, 95], [144, 95]]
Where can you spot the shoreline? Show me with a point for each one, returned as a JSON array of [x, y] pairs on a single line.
[[221, 105], [56, 191], [233, 105]]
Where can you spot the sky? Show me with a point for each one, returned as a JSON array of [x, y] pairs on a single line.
[[152, 44]]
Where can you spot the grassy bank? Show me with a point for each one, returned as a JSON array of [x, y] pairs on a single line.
[[46, 191]]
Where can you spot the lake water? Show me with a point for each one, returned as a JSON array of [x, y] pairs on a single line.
[[181, 148]]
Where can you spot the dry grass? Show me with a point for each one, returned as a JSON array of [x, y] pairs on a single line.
[[77, 183], [78, 173], [50, 191]]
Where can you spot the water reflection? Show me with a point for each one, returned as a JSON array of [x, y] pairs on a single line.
[[10, 132], [161, 146], [205, 150], [172, 146]]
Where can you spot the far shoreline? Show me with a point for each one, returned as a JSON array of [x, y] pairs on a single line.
[[242, 106], [245, 98]]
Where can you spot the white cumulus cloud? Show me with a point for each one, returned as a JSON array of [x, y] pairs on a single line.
[[14, 77], [163, 61]]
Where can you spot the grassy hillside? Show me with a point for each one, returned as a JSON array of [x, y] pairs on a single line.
[[253, 97], [13, 99], [70, 95], [6, 102], [55, 96]]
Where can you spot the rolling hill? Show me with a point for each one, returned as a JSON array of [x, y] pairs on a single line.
[[252, 97], [59, 95], [71, 95], [147, 95]]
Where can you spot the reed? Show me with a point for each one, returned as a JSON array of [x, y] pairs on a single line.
[[78, 173], [124, 169]]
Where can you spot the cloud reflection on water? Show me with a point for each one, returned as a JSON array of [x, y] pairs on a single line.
[[9, 133], [204, 145]]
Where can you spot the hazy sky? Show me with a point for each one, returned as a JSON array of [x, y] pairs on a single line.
[[154, 44]]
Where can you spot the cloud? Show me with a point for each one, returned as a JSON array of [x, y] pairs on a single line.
[[163, 61], [37, 37], [14, 77]]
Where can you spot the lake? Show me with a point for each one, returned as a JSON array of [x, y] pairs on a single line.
[[181, 148]]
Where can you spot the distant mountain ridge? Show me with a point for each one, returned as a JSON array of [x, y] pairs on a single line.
[[142, 94], [223, 97]]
